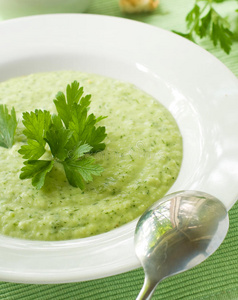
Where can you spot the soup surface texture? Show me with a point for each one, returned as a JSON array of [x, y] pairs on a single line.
[[141, 161]]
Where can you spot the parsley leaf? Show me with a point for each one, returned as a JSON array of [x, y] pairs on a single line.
[[36, 124], [8, 124], [66, 104], [33, 150], [73, 110], [220, 31], [71, 136], [79, 151], [203, 20], [57, 137], [78, 171], [37, 170], [84, 129]]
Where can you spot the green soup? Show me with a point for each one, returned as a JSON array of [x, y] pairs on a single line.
[[141, 161]]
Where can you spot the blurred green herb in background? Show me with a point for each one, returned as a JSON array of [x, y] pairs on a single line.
[[204, 20]]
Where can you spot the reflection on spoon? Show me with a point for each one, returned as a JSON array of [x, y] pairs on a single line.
[[178, 233]]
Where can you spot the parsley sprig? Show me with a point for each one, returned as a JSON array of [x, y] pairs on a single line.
[[71, 136], [204, 21], [8, 125]]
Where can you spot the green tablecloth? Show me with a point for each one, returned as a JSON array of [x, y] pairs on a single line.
[[217, 277]]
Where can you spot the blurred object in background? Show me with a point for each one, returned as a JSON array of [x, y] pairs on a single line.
[[136, 6], [18, 8]]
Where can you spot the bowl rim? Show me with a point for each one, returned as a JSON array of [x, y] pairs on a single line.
[[176, 79]]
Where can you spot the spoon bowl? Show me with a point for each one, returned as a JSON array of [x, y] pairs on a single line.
[[177, 234]]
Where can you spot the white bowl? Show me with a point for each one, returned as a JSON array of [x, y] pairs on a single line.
[[197, 89], [19, 8]]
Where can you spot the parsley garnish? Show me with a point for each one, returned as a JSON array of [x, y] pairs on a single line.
[[71, 137], [204, 20], [8, 124]]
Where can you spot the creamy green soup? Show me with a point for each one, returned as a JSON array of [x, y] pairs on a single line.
[[141, 161]]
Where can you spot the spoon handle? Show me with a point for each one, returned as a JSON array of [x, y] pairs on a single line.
[[147, 289]]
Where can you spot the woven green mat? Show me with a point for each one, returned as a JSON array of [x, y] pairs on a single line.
[[214, 279]]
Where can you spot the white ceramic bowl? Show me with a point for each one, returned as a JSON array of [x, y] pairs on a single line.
[[19, 8], [200, 92]]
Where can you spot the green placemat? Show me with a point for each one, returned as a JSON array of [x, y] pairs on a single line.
[[214, 279]]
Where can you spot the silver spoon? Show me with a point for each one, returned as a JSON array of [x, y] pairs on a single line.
[[177, 234]]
